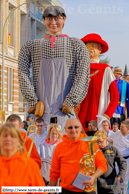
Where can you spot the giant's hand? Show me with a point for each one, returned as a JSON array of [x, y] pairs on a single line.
[[38, 110], [31, 110], [66, 109]]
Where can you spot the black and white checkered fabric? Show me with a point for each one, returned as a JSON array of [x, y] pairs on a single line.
[[77, 60]]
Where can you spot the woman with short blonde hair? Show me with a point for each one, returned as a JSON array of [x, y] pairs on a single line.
[[54, 137], [54, 127], [101, 133], [14, 132]]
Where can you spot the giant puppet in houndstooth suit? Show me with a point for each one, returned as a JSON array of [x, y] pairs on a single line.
[[61, 68]]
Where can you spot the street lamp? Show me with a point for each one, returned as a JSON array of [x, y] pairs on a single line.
[[3, 49]]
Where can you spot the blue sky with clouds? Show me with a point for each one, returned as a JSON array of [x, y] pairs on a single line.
[[109, 19]]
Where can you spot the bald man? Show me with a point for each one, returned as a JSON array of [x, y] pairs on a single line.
[[66, 158]]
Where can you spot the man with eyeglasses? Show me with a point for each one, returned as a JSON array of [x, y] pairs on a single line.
[[105, 126], [40, 135], [66, 158]]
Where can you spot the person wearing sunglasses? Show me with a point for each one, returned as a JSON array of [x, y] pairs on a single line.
[[66, 158], [40, 135]]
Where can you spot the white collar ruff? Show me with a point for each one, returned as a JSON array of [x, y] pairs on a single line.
[[94, 60]]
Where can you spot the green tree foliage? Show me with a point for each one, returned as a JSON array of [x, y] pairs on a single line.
[[104, 60]]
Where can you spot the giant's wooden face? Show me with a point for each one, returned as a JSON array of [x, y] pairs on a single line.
[[94, 49], [54, 24]]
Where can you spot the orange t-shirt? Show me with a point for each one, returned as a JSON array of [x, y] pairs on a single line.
[[66, 158], [34, 153], [19, 170]]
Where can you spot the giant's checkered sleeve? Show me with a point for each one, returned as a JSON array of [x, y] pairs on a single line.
[[77, 60], [81, 75], [24, 62]]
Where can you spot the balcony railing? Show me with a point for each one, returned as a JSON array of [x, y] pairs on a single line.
[[32, 8], [55, 2], [51, 2], [39, 14]]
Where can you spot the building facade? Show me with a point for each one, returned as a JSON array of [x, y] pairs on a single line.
[[25, 23]]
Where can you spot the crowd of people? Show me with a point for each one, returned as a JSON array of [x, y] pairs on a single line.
[[63, 153], [80, 117]]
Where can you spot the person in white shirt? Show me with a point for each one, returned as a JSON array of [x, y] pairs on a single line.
[[40, 135], [105, 126], [115, 127], [120, 140]]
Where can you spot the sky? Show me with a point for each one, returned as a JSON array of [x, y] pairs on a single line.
[[108, 18]]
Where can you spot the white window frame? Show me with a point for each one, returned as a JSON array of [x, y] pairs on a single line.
[[10, 84]]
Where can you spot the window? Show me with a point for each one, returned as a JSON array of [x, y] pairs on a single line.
[[23, 29], [33, 32], [10, 84]]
